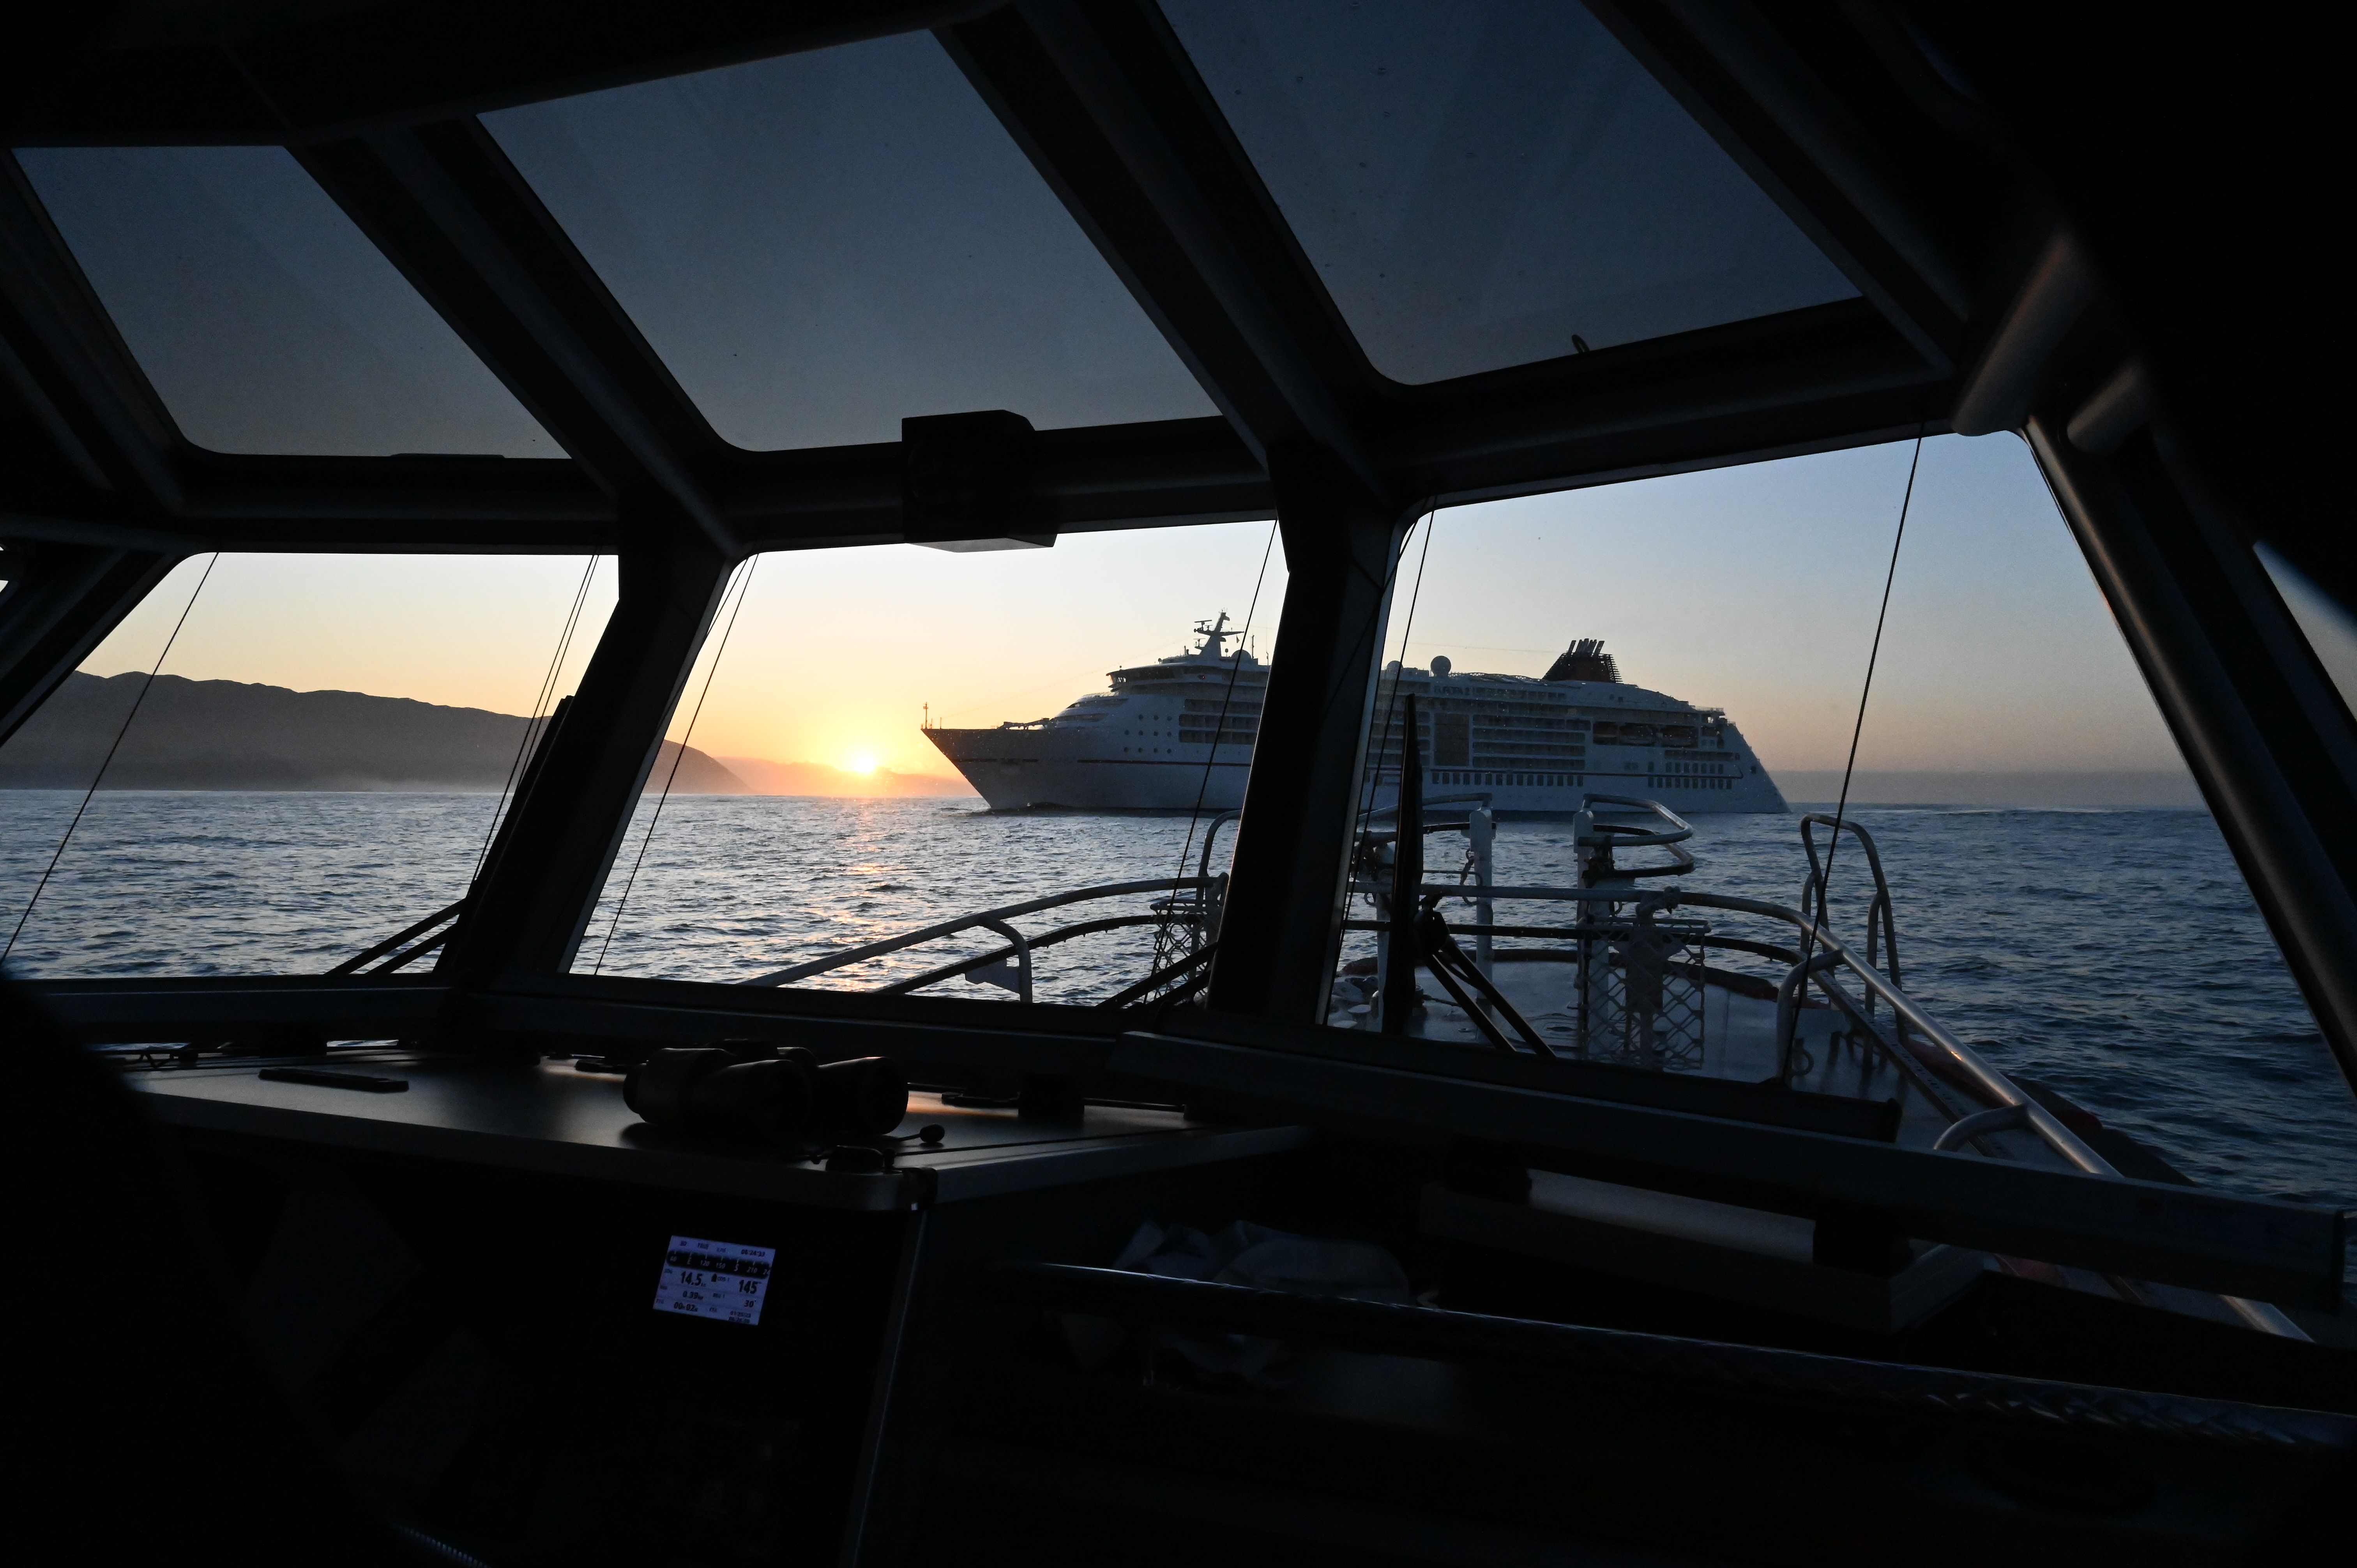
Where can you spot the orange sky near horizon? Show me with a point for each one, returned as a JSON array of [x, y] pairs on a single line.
[[1751, 589], [837, 653], [831, 658]]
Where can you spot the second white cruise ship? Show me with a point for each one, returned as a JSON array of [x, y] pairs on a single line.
[[1177, 734]]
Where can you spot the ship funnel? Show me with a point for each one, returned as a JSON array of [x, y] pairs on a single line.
[[1584, 660]]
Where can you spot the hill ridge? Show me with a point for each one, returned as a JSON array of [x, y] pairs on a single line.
[[242, 734]]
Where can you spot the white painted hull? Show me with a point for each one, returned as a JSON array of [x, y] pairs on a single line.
[[1031, 769], [1536, 748], [1034, 770], [1559, 795]]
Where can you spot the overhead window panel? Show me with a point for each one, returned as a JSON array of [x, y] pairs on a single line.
[[822, 245], [1492, 182], [264, 318]]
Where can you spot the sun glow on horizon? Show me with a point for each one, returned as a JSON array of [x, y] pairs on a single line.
[[862, 762]]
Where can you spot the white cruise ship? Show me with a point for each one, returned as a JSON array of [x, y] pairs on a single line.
[[1177, 733]]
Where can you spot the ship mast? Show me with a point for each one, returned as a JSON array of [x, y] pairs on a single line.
[[1215, 633]]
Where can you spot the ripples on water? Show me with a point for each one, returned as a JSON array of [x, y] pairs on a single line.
[[2115, 954]]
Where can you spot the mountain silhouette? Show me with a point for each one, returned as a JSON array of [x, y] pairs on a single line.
[[228, 735]]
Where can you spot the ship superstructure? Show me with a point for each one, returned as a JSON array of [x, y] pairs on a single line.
[[1178, 732], [1164, 736]]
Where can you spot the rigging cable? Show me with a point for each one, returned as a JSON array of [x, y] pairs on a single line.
[[1407, 629], [1874, 652], [534, 726], [42, 886], [1391, 578], [1363, 826], [1219, 728], [744, 586], [1374, 774]]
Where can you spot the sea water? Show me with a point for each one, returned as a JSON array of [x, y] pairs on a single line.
[[2116, 955]]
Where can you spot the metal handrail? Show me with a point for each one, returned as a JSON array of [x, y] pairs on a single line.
[[1682, 829], [1982, 1077], [1000, 955], [1818, 874], [964, 923], [408, 933], [1617, 895], [1210, 836], [1482, 798], [1928, 1070], [1956, 1134], [1976, 1072], [1979, 1074]]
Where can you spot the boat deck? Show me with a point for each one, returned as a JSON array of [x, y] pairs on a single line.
[[1737, 1044]]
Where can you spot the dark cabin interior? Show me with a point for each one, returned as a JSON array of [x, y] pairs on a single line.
[[2106, 230]]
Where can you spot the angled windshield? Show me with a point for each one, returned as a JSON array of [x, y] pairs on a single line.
[[1493, 182], [263, 317], [822, 245], [277, 762], [909, 740]]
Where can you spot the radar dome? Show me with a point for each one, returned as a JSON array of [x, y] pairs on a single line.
[[1441, 665]]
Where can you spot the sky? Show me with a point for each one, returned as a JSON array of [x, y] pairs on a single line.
[[837, 653], [819, 245], [472, 631], [1752, 588], [816, 246], [265, 319], [1755, 589], [1603, 214]]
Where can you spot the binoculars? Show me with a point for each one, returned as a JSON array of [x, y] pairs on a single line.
[[788, 1097]]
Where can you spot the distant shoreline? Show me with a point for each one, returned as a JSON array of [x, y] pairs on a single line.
[[233, 737], [1805, 791], [2149, 791], [653, 787], [237, 737]]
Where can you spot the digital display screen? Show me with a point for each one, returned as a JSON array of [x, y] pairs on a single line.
[[726, 1280]]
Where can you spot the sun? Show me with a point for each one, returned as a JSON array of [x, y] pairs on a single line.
[[863, 763]]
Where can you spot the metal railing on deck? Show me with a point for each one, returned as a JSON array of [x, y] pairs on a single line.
[[1940, 1051], [1019, 947], [1880, 925], [441, 923]]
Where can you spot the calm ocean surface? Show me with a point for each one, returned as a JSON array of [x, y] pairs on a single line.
[[2115, 954]]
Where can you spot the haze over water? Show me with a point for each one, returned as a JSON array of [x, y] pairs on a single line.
[[2114, 955]]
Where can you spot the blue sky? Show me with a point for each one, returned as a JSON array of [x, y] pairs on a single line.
[[1754, 588]]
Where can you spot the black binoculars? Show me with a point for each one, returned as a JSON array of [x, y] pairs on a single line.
[[788, 1097]]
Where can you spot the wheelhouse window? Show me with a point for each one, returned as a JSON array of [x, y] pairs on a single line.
[[1040, 751], [1632, 694], [278, 761]]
